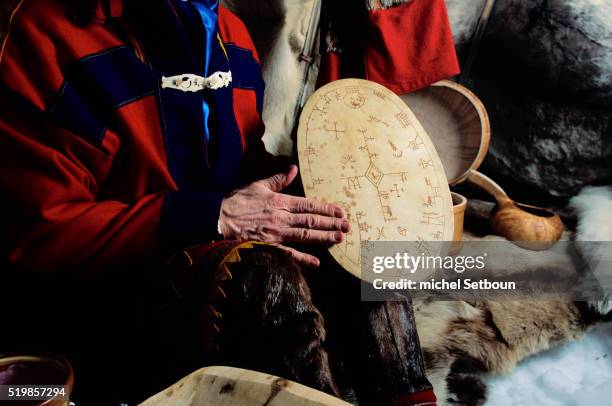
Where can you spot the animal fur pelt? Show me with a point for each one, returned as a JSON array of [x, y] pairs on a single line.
[[461, 341], [280, 30], [271, 303], [269, 300], [593, 206]]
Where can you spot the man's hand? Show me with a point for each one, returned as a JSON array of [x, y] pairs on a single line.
[[259, 212]]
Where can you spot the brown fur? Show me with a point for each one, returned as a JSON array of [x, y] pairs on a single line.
[[462, 340], [270, 324], [270, 321], [271, 304]]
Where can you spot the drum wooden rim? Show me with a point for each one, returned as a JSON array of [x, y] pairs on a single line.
[[433, 105], [485, 124]]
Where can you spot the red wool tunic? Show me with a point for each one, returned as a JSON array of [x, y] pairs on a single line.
[[102, 166]]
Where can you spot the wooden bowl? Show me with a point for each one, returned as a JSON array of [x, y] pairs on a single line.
[[457, 123], [39, 370], [527, 226], [459, 206], [530, 227]]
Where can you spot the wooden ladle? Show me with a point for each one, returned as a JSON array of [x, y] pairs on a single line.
[[527, 226], [458, 124]]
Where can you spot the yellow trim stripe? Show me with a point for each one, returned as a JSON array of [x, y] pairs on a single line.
[[222, 46]]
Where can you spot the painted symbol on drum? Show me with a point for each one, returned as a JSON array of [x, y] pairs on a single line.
[[354, 100]]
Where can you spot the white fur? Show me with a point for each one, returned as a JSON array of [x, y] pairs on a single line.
[[279, 28], [283, 73], [578, 373], [594, 210], [464, 16], [602, 307]]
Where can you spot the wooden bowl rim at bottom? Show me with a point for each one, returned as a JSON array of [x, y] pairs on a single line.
[[50, 359]]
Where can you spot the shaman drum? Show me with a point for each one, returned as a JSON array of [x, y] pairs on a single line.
[[361, 147]]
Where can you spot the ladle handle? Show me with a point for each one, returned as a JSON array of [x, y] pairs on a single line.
[[489, 185]]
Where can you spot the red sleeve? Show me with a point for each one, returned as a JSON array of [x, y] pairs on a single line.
[[248, 101], [50, 179], [248, 90], [234, 31]]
